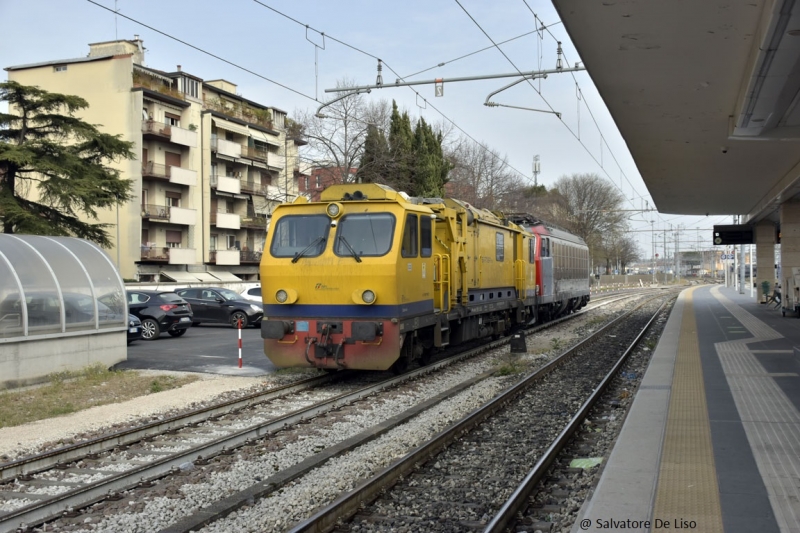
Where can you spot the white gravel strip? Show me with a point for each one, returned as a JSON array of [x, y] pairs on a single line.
[[7, 506]]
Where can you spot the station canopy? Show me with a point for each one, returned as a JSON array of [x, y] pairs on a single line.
[[55, 286]]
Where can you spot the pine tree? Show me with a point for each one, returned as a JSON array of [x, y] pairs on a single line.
[[400, 151], [375, 159], [53, 166], [430, 166]]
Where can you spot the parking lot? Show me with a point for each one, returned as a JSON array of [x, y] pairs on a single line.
[[205, 348]]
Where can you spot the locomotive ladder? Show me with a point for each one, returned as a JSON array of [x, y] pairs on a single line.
[[441, 282]]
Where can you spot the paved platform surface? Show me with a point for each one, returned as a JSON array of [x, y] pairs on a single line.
[[712, 440]]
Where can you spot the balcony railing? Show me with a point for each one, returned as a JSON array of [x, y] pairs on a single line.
[[157, 128], [155, 253], [249, 257], [155, 211], [251, 152], [155, 170], [240, 111], [254, 222], [253, 187]]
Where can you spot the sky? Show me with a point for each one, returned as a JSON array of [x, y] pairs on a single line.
[[286, 54]]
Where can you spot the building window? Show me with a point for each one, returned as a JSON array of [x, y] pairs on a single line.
[[190, 87], [173, 198], [318, 182], [231, 242], [60, 68], [305, 181], [172, 120], [212, 242], [174, 239]]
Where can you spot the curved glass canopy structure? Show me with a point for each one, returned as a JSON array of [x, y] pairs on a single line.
[[57, 286]]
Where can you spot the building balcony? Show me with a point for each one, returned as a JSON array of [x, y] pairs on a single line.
[[155, 253], [227, 148], [252, 187], [251, 152], [226, 220], [246, 257], [224, 257], [182, 256], [177, 175], [179, 215], [167, 255], [169, 214], [226, 184], [183, 137], [157, 213], [159, 130], [252, 221], [276, 162], [182, 176]]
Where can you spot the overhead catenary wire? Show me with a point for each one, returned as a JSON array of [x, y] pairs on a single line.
[[383, 62], [190, 45], [577, 136]]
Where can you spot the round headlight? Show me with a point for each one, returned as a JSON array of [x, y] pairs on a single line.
[[368, 296], [281, 296], [333, 210]]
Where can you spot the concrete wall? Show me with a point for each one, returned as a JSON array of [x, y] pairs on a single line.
[[31, 361]]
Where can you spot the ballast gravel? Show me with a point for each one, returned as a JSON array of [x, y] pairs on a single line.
[[293, 502]]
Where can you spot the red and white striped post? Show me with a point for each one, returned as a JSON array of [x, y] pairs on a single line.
[[240, 342]]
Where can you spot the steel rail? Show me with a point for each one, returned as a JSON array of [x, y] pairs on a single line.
[[519, 497], [43, 461], [348, 504]]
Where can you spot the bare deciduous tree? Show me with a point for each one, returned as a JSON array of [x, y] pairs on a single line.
[[336, 135], [480, 176]]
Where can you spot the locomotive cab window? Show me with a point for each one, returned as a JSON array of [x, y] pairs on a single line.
[[499, 246], [410, 237], [426, 236], [366, 234], [300, 234]]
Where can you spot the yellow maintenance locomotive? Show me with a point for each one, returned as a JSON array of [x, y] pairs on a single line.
[[369, 278]]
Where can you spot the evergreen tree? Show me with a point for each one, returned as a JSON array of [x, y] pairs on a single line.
[[430, 166], [400, 151], [375, 159], [53, 166]]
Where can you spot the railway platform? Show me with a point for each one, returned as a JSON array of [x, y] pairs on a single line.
[[712, 440]]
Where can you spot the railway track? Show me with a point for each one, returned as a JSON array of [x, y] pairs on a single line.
[[74, 477], [455, 481]]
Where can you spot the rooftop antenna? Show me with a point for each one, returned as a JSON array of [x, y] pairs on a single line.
[[536, 170], [116, 10]]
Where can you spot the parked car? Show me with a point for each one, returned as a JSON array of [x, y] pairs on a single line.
[[218, 305], [253, 294], [160, 311], [134, 328], [44, 309]]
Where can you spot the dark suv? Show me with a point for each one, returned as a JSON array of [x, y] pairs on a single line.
[[214, 304], [160, 311]]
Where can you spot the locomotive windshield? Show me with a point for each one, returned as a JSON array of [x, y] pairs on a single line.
[[366, 234], [296, 235]]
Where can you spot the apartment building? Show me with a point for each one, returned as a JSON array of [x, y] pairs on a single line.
[[314, 180], [211, 165]]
